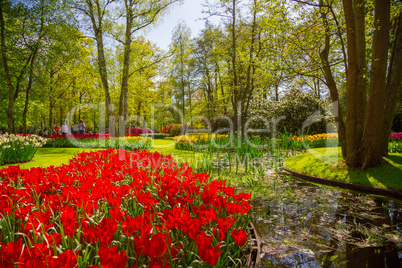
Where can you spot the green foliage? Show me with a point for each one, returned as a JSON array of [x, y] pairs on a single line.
[[175, 130], [395, 147], [154, 135]]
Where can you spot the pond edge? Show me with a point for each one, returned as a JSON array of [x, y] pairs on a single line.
[[345, 185], [252, 259]]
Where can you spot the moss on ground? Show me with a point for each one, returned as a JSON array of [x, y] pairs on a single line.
[[328, 163]]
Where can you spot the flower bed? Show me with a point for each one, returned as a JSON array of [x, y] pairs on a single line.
[[18, 149], [319, 140], [395, 145], [396, 136], [138, 131], [194, 140], [116, 209]]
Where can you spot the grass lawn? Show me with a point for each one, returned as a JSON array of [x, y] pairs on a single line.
[[328, 163], [166, 147], [46, 157]]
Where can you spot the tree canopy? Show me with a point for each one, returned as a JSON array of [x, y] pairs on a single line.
[[57, 55]]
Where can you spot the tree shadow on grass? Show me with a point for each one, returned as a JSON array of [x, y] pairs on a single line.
[[388, 175], [396, 159]]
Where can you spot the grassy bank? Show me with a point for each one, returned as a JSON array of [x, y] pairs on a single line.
[[328, 163]]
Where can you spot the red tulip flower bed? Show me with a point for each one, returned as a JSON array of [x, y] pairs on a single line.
[[115, 208], [396, 136]]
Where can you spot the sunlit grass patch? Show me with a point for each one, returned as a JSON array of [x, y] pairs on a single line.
[[46, 157], [328, 163]]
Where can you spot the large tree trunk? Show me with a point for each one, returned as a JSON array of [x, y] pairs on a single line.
[[374, 123], [10, 110], [394, 79], [356, 88]]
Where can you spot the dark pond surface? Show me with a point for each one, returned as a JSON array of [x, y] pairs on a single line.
[[306, 225]]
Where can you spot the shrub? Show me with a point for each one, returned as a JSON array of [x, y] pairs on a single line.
[[296, 106], [176, 130], [154, 135]]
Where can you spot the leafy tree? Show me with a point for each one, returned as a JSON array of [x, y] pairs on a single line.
[[370, 105], [181, 63], [138, 14]]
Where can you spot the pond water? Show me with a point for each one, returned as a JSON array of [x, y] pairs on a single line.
[[306, 225]]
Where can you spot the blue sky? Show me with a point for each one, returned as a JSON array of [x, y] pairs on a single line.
[[189, 11]]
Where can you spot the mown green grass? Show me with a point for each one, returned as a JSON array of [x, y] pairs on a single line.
[[167, 147], [328, 163], [46, 157]]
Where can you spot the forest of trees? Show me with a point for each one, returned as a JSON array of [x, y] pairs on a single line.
[[59, 54]]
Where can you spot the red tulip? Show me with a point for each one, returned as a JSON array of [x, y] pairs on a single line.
[[141, 195], [109, 257], [240, 237], [66, 259], [206, 252]]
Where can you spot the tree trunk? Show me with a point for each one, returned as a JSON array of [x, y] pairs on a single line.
[[374, 125], [50, 117], [51, 103], [356, 96], [61, 116], [394, 79], [235, 82], [189, 95], [98, 31], [139, 114], [28, 91], [30, 78], [248, 90], [123, 105], [10, 110], [333, 90]]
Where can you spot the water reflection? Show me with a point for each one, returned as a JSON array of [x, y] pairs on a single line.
[[304, 225]]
